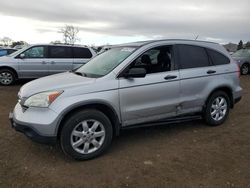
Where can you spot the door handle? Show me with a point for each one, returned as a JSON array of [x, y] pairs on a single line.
[[53, 62], [44, 62], [170, 77], [211, 72]]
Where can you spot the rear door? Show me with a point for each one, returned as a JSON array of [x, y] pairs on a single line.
[[196, 72], [33, 63], [61, 59], [81, 56]]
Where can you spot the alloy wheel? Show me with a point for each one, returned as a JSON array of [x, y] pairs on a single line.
[[219, 108], [244, 69], [6, 78], [87, 136]]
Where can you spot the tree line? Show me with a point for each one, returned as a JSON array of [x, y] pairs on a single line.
[[242, 46], [69, 36]]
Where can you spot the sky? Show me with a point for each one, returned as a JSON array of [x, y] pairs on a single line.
[[113, 21]]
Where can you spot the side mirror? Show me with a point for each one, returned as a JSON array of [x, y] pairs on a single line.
[[136, 73], [22, 56]]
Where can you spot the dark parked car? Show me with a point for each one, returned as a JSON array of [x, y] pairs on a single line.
[[243, 59], [6, 51]]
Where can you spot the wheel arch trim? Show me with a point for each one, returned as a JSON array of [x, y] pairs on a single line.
[[116, 120], [227, 89], [10, 68]]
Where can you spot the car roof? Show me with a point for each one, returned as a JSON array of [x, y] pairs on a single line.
[[66, 45], [186, 41], [7, 48], [206, 44]]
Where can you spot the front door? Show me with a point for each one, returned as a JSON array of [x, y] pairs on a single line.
[[155, 96], [33, 63]]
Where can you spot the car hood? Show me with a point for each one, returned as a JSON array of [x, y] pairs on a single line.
[[239, 58], [4, 59], [57, 82]]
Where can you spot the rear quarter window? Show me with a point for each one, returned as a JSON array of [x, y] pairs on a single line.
[[81, 53], [218, 58]]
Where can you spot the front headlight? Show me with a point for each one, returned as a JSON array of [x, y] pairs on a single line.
[[43, 99]]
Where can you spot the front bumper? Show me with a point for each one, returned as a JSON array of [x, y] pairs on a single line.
[[30, 131]]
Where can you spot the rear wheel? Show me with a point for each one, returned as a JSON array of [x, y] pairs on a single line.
[[86, 134], [7, 77], [244, 69], [217, 108]]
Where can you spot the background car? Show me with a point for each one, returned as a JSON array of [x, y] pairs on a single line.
[[42, 60], [6, 51], [243, 59]]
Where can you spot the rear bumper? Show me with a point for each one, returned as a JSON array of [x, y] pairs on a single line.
[[31, 133]]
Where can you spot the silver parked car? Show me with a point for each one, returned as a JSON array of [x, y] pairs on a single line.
[[243, 59], [42, 60], [129, 85]]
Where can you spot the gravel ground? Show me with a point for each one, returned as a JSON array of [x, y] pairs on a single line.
[[182, 155]]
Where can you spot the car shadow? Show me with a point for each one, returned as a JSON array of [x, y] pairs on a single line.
[[22, 82], [146, 134]]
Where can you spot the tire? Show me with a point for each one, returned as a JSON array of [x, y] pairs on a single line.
[[79, 135], [244, 70], [216, 111], [7, 77]]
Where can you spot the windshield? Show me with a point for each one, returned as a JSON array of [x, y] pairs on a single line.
[[18, 51], [242, 53], [104, 63]]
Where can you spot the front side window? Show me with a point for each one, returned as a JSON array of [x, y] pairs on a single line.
[[104, 63], [35, 52], [192, 56], [159, 59], [60, 52]]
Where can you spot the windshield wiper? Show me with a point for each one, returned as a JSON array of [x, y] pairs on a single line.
[[80, 73]]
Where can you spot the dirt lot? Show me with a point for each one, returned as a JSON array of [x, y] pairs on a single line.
[[183, 155]]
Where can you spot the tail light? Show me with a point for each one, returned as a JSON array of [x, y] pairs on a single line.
[[238, 69]]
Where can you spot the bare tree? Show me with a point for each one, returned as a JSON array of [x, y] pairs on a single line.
[[247, 45], [6, 41], [69, 34]]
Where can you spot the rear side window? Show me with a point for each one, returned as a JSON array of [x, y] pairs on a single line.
[[218, 58], [60, 52], [81, 53], [192, 56]]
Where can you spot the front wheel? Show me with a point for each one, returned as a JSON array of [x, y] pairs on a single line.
[[217, 108], [7, 77], [86, 134], [244, 69]]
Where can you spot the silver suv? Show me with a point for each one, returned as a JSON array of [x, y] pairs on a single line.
[[134, 84], [42, 60]]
